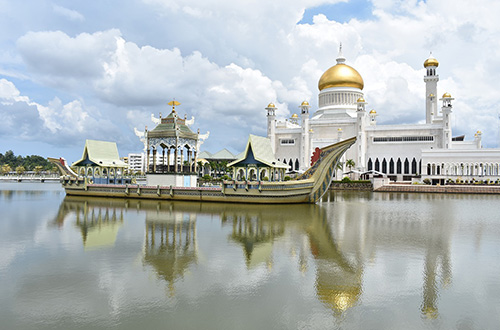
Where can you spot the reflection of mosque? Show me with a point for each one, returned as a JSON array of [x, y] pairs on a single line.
[[170, 243], [343, 240], [377, 230]]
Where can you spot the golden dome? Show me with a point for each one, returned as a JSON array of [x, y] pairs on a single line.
[[373, 112], [340, 75], [295, 115], [305, 103], [271, 105], [479, 132], [360, 100], [431, 61], [446, 95]]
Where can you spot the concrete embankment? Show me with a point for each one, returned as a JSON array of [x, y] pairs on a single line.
[[447, 189], [356, 185]]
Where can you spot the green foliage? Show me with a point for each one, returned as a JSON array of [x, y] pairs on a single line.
[[20, 169], [266, 178], [226, 177], [29, 162], [427, 181], [207, 177], [287, 178], [346, 179]]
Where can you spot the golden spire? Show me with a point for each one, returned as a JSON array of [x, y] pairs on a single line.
[[173, 104]]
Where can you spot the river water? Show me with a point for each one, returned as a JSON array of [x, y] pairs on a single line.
[[358, 260]]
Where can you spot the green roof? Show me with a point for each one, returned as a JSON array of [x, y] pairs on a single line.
[[223, 154], [262, 152], [100, 153], [172, 126]]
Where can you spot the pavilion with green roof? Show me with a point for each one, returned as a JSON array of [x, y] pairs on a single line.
[[100, 162], [258, 162]]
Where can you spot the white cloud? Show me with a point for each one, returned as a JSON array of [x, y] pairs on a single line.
[[72, 15], [226, 61]]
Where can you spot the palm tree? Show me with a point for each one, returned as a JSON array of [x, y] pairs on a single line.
[[350, 163], [20, 170], [38, 169], [6, 169]]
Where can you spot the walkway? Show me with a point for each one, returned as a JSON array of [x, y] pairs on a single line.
[[451, 189]]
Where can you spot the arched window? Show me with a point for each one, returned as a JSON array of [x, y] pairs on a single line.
[[296, 164], [391, 166], [413, 166], [290, 163], [384, 166], [370, 164], [398, 166], [377, 165], [407, 166]]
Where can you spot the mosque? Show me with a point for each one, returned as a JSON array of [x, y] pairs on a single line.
[[400, 152]]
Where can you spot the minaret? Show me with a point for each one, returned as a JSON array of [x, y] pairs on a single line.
[[446, 109], [271, 125], [361, 136], [305, 151], [431, 79]]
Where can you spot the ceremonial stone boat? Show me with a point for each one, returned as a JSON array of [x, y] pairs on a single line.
[[307, 188]]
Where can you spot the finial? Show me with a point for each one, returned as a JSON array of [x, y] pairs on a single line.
[[160, 115], [340, 58], [173, 104]]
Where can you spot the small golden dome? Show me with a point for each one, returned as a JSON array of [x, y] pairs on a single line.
[[431, 95], [340, 75], [446, 95], [339, 129], [295, 115], [372, 112], [360, 100], [431, 61], [271, 105], [305, 103], [479, 132]]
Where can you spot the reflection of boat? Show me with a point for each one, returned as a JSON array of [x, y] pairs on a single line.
[[308, 188]]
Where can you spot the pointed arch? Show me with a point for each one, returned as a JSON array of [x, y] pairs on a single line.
[[377, 165], [297, 164], [407, 166], [391, 166], [414, 166], [398, 166], [370, 164], [384, 166]]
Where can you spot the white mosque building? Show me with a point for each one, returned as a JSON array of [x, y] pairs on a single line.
[[401, 152]]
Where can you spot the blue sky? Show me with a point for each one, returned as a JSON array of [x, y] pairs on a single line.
[[76, 70]]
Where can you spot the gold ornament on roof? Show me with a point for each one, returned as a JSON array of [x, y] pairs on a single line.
[[173, 104], [271, 105], [361, 100], [340, 75], [295, 115], [305, 103], [373, 112], [446, 95]]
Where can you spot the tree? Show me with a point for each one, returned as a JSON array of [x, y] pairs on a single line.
[[350, 163], [20, 170], [38, 169], [6, 169]]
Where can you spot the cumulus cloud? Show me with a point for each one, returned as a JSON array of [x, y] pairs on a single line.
[[55, 123], [226, 61]]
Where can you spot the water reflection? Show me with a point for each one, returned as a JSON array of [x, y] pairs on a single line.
[[337, 241], [170, 242]]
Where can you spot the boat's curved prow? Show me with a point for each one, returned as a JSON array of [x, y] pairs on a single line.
[[62, 166], [323, 170]]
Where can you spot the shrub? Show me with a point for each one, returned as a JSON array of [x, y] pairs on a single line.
[[287, 178], [207, 177], [346, 179], [427, 181], [265, 178]]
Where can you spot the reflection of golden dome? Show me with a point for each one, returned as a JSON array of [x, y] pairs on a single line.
[[360, 100], [271, 105], [295, 115], [446, 95], [340, 75], [339, 298], [431, 61], [305, 103]]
